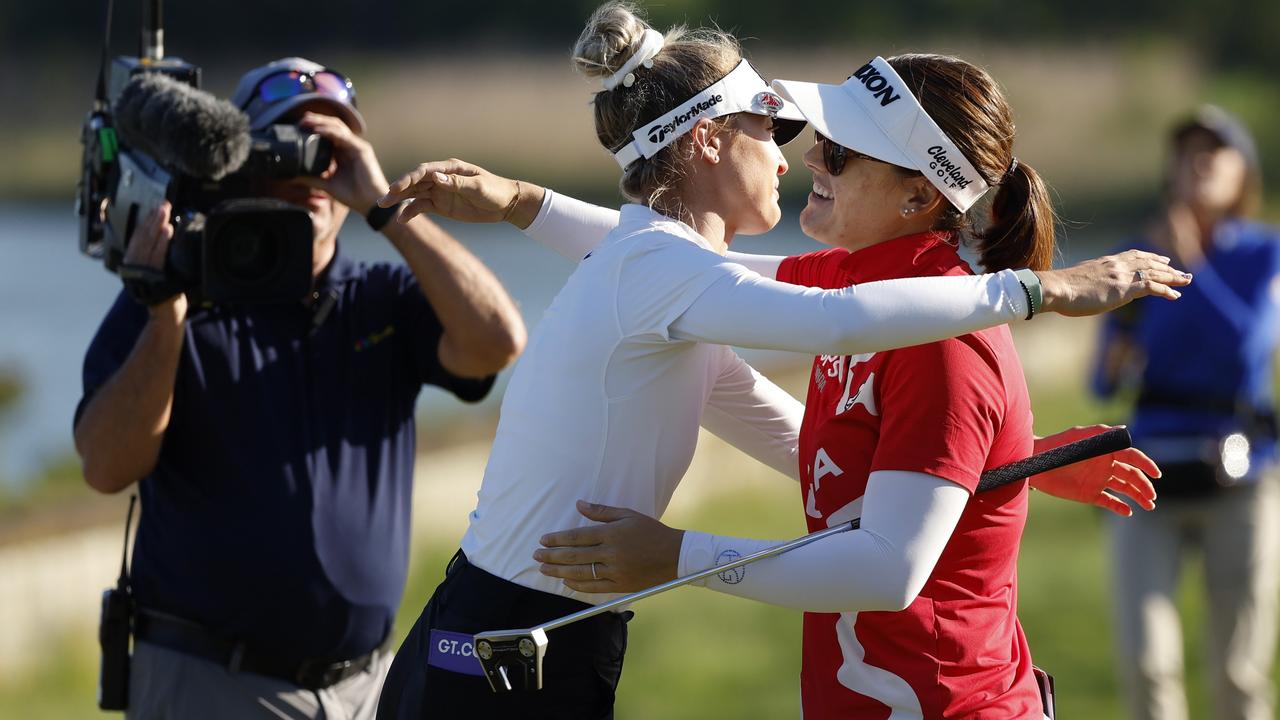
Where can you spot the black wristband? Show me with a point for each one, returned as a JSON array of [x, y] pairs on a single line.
[[148, 286], [379, 216]]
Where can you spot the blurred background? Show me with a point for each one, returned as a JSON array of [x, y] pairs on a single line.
[[1094, 84]]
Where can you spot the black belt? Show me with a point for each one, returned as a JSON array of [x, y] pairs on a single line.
[[1256, 422], [191, 638]]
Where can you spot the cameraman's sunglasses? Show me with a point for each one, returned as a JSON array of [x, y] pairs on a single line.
[[289, 83], [834, 155]]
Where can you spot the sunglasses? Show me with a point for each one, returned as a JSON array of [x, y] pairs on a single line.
[[289, 83], [835, 155]]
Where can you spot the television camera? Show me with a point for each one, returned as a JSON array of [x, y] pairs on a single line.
[[153, 135]]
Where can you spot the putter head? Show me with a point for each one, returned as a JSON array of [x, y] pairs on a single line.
[[512, 659]]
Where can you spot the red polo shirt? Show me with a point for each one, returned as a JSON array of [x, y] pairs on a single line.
[[950, 409]]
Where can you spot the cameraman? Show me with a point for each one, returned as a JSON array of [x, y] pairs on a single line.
[[275, 442]]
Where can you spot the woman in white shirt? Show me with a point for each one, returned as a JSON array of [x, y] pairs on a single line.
[[631, 355]]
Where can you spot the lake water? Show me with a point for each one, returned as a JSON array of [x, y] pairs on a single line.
[[52, 299]]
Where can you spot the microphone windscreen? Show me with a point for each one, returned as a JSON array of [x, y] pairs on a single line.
[[183, 128]]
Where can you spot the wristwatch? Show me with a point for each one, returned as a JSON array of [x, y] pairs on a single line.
[[379, 216]]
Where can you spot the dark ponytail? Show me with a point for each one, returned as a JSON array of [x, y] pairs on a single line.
[[971, 109], [1020, 232]]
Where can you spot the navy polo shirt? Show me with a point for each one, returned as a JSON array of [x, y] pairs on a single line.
[[278, 512], [1214, 346]]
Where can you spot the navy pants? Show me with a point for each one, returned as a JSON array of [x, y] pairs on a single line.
[[580, 670]]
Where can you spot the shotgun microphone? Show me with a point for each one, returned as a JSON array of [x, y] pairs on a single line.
[[181, 127]]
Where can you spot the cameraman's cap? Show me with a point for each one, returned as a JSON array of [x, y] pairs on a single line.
[[266, 102]]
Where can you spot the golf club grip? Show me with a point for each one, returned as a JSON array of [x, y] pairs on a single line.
[[1090, 447]]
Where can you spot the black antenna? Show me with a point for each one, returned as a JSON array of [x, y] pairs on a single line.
[[100, 97], [152, 45]]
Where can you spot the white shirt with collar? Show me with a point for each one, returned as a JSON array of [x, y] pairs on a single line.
[[631, 357]]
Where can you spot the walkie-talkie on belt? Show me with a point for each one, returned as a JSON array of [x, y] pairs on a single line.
[[114, 629]]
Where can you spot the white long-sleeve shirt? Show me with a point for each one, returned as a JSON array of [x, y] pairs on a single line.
[[605, 403], [573, 228]]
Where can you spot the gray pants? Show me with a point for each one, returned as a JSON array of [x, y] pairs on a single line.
[[1239, 533], [168, 685]]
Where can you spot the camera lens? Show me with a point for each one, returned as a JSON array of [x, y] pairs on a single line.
[[256, 250], [247, 254]]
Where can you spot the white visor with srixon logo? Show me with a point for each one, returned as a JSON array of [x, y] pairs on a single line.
[[874, 113], [742, 90]]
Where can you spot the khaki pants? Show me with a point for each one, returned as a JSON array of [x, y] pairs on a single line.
[[1239, 533], [168, 685]]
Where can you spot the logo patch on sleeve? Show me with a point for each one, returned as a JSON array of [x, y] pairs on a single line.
[[732, 576]]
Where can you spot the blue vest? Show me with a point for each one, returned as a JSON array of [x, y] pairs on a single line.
[[1209, 355]]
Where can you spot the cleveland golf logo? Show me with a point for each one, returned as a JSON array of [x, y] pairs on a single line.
[[879, 86], [947, 168], [659, 132]]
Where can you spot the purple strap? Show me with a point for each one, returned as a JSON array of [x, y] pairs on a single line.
[[453, 651]]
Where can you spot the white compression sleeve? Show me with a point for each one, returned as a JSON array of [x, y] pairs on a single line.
[[572, 228], [907, 520], [569, 226], [750, 412], [766, 265], [744, 309]]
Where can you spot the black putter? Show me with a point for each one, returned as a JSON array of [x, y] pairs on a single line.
[[512, 659]]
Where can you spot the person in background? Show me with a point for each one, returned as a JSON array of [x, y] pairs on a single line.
[[273, 444], [1202, 370]]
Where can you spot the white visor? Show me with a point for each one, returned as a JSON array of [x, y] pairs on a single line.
[[874, 113], [742, 90]]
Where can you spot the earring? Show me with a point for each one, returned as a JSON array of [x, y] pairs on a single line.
[[907, 212]]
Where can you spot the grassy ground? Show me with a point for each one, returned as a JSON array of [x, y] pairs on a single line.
[[697, 654]]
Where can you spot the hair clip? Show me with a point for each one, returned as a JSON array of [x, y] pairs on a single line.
[[650, 45]]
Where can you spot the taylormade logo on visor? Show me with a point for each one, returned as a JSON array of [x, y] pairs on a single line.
[[658, 133], [877, 84]]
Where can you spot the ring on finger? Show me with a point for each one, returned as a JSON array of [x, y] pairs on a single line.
[[1139, 276], [594, 576]]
